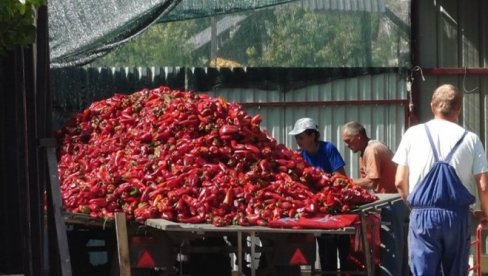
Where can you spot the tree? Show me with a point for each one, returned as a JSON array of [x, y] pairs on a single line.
[[162, 44], [282, 36], [17, 19]]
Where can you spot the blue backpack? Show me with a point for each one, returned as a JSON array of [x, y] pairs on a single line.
[[441, 187]]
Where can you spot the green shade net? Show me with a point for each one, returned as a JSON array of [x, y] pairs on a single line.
[[202, 8], [83, 30], [293, 34]]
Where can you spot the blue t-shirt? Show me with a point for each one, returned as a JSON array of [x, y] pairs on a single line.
[[327, 157]]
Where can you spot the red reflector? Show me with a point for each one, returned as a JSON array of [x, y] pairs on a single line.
[[298, 258], [146, 260]]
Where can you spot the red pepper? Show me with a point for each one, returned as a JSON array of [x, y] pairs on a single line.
[[228, 130], [173, 154], [252, 149], [168, 215], [124, 187], [145, 137], [264, 165], [310, 207], [273, 195], [261, 222], [99, 202], [292, 212], [193, 219], [252, 218], [256, 119], [127, 119], [229, 197]]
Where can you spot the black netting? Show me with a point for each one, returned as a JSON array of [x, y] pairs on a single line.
[[80, 31], [204, 8], [305, 33]]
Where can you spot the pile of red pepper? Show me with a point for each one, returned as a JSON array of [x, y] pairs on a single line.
[[189, 158]]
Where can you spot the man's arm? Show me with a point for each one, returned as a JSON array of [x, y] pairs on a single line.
[[367, 183], [341, 170], [401, 181], [482, 184]]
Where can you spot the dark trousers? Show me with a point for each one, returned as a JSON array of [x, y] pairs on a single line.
[[394, 259], [329, 245]]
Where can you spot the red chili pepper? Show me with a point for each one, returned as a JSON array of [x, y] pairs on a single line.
[[292, 212], [235, 145], [99, 202], [145, 137], [264, 165], [175, 154], [229, 197], [256, 119], [273, 195], [252, 149], [310, 207], [124, 187], [127, 119], [252, 218], [193, 219], [228, 130], [261, 222], [330, 200], [168, 215]]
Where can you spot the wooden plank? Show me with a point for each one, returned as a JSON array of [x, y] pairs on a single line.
[[55, 192], [122, 244], [367, 252]]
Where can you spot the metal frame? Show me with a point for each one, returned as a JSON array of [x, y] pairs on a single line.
[[362, 211]]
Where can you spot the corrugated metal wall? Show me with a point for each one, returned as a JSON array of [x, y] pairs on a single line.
[[451, 46], [378, 101], [451, 35], [345, 5]]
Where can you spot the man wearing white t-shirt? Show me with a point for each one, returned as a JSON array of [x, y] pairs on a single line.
[[440, 167]]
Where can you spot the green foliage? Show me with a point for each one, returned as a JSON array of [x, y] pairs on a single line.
[[17, 26], [162, 44], [283, 36], [314, 39]]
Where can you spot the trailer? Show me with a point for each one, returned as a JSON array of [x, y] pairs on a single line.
[[162, 247]]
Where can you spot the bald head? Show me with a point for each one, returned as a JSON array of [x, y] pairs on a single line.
[[446, 102]]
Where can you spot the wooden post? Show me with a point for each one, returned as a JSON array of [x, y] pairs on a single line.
[[55, 192], [367, 253], [122, 244]]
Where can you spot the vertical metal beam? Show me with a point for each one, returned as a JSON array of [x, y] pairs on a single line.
[[43, 129], [253, 253], [213, 38], [239, 253]]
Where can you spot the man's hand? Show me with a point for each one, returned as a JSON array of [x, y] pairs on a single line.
[[479, 215]]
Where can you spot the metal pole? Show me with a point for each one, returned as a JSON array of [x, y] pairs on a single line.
[[239, 253], [253, 253]]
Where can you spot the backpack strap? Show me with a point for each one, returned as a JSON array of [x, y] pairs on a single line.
[[449, 156], [434, 151]]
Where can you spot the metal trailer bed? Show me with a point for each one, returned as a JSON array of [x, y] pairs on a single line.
[[252, 231]]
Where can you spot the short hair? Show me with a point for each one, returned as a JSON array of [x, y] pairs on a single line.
[[446, 99], [354, 128], [313, 131]]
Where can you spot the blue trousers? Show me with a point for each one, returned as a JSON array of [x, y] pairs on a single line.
[[439, 240]]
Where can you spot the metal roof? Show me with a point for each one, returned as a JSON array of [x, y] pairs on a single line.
[[345, 5]]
